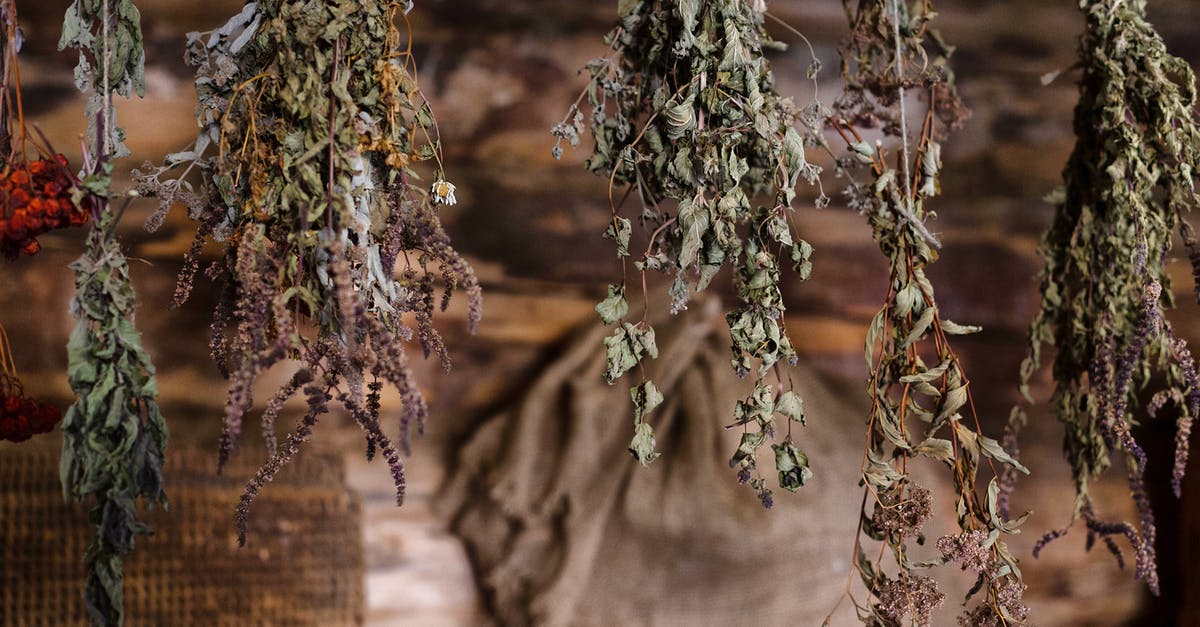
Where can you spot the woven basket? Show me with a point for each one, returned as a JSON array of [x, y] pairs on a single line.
[[302, 564]]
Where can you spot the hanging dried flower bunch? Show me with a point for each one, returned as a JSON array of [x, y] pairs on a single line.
[[1105, 285], [312, 126], [114, 436], [685, 116], [921, 397]]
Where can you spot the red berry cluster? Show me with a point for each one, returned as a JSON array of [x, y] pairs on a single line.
[[35, 198], [22, 417]]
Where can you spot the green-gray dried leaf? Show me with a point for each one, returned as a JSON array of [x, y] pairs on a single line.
[[642, 445], [792, 465], [613, 308]]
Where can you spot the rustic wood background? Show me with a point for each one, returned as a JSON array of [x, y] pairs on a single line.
[[501, 73]]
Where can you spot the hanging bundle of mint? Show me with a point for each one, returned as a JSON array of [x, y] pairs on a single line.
[[1105, 285], [687, 121], [114, 436], [313, 136]]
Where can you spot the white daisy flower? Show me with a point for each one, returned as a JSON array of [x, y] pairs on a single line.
[[443, 192]]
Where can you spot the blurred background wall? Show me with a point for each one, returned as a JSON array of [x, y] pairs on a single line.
[[501, 73]]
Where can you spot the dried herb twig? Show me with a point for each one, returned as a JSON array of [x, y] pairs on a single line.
[[921, 397]]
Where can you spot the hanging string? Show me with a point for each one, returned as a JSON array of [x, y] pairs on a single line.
[[903, 107], [106, 86]]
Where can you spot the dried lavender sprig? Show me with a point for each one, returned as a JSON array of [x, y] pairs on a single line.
[[374, 404], [1113, 400], [1115, 404], [301, 377], [317, 395], [420, 228], [375, 435], [392, 367], [1109, 544], [218, 340], [1010, 441], [1117, 399], [1183, 433], [312, 238], [431, 341], [1046, 539], [1187, 410], [1127, 184], [253, 313], [1115, 550], [1146, 563], [1103, 529], [1095, 529], [186, 278]]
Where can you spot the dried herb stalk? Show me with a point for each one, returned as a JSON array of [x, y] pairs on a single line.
[[114, 436], [1104, 286], [686, 119], [921, 397], [312, 129]]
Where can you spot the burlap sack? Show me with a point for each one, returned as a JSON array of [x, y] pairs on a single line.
[[564, 528]]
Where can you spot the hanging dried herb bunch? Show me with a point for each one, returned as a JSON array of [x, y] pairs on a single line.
[[114, 436], [312, 124], [1104, 286], [686, 118], [895, 64]]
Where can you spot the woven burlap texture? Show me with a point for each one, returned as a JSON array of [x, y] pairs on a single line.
[[302, 564], [564, 528]]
